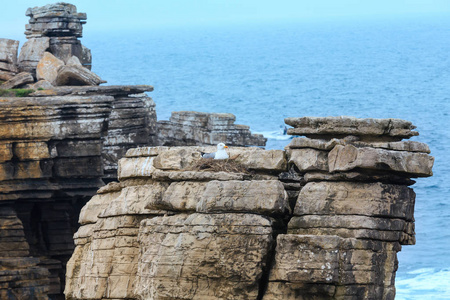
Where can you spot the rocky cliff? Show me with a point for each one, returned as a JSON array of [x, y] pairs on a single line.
[[60, 143], [323, 219]]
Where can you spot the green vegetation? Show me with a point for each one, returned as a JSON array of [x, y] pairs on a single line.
[[15, 92]]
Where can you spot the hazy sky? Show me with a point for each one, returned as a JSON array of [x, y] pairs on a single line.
[[130, 14]]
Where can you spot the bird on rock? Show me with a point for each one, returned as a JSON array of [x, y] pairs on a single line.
[[219, 154]]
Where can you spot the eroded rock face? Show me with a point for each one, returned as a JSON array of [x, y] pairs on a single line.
[[214, 245], [54, 153], [167, 232], [196, 128], [8, 58]]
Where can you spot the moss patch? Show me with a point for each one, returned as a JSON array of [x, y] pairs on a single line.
[[15, 92]]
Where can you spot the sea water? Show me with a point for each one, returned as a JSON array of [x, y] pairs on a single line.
[[264, 73]]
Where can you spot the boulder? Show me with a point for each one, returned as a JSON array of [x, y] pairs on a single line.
[[17, 81], [47, 68], [77, 75], [31, 53], [8, 55]]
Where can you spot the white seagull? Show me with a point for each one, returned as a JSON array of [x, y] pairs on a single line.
[[219, 154]]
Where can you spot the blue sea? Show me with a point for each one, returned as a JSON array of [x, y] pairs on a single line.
[[263, 73]]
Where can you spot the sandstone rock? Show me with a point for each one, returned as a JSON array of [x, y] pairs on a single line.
[[329, 267], [351, 198], [40, 85], [410, 146], [182, 196], [136, 200], [8, 55], [86, 57], [218, 256], [111, 90], [366, 129], [256, 196], [4, 75], [358, 177], [17, 81], [77, 75], [307, 159], [20, 276], [352, 226], [345, 158], [31, 53], [189, 128], [47, 68], [73, 61]]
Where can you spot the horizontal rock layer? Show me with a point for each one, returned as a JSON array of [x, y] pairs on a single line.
[[196, 128], [369, 129], [166, 231]]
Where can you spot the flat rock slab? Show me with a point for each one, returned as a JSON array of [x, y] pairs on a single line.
[[77, 75], [17, 81], [353, 198], [349, 157], [111, 90], [344, 126]]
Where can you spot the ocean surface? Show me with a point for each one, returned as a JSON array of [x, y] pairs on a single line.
[[263, 73]]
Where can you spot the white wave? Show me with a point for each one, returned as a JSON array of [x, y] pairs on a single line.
[[425, 283]]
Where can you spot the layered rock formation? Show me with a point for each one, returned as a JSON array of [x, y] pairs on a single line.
[[322, 220], [53, 54], [190, 128], [56, 151], [59, 145]]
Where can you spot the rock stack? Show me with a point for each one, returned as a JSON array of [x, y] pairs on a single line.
[[167, 232], [191, 128], [322, 220], [53, 55], [355, 210]]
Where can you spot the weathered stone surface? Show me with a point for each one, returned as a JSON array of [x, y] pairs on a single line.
[[47, 68], [345, 158], [366, 129], [5, 75], [330, 267], [182, 196], [360, 227], [308, 159], [17, 81], [31, 53], [410, 146], [58, 19], [77, 75], [189, 128], [20, 276], [8, 56], [256, 196], [351, 198], [217, 256], [40, 85], [107, 90]]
